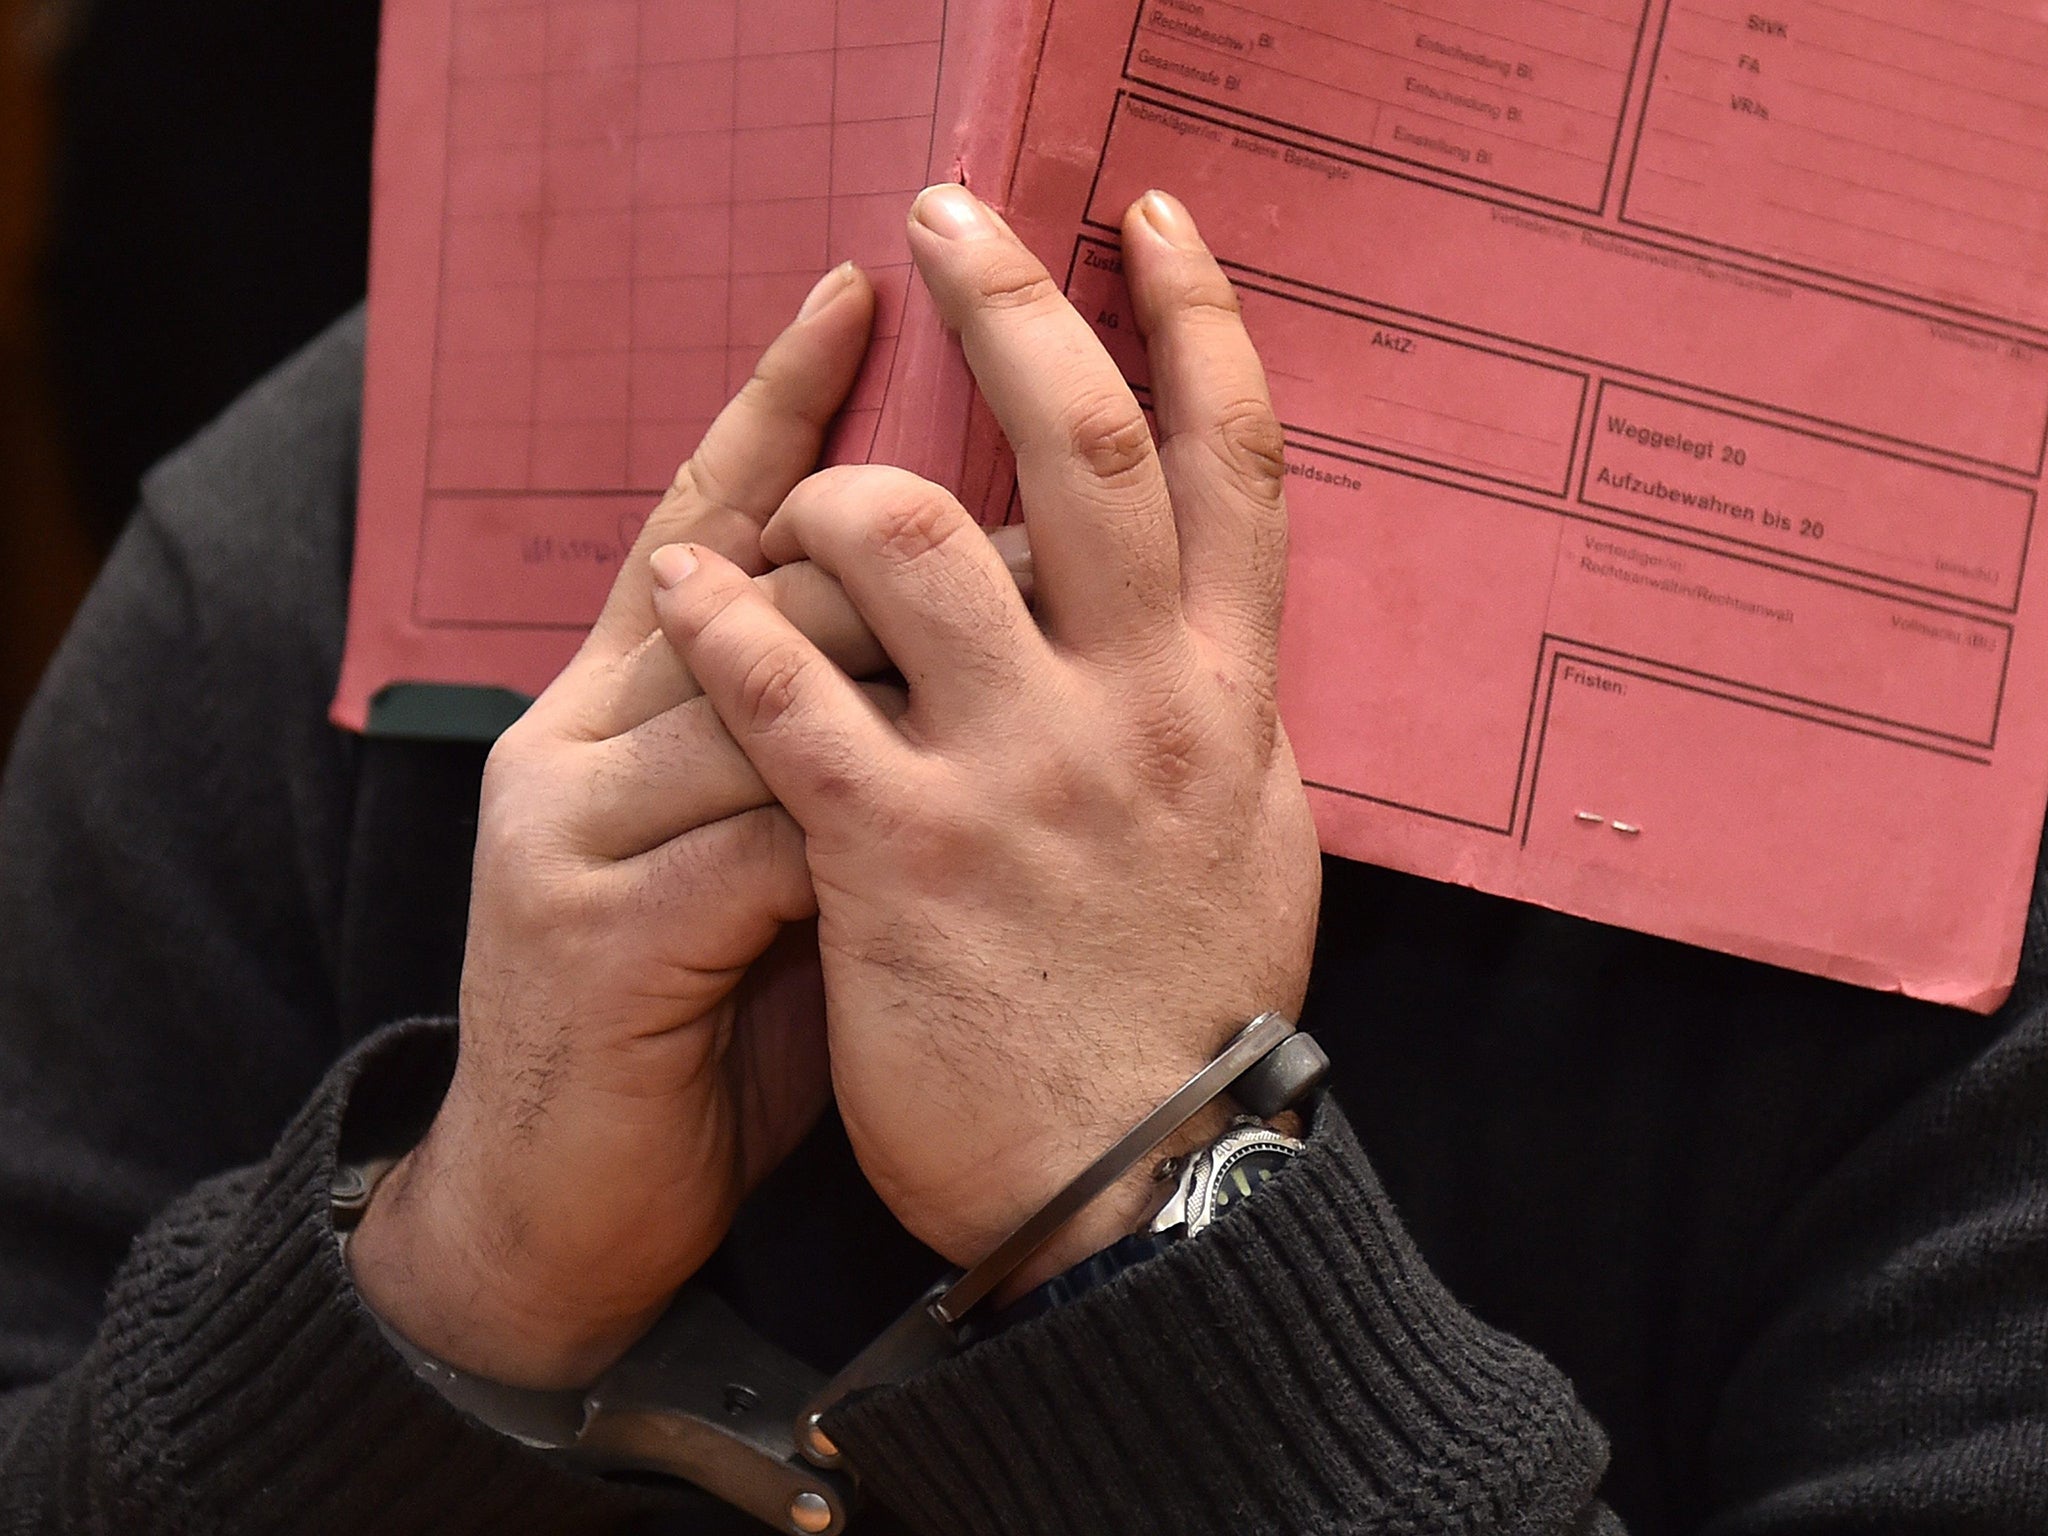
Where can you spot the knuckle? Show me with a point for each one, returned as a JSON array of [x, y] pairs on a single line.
[[700, 485], [915, 525], [1253, 448], [771, 686], [841, 782], [1073, 787], [1205, 294], [1173, 759], [942, 842], [1015, 281], [1183, 731], [1109, 434]]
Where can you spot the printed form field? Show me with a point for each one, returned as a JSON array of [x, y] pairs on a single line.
[[1899, 142], [1798, 501], [1373, 382], [1524, 94], [639, 193]]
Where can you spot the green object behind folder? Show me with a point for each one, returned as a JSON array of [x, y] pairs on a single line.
[[444, 712]]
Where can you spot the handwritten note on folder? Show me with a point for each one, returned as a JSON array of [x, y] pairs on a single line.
[[1666, 385]]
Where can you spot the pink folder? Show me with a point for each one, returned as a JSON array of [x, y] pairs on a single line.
[[1666, 387]]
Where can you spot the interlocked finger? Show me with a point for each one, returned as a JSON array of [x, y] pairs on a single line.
[[676, 772], [932, 586], [749, 867], [818, 743], [651, 679], [765, 440]]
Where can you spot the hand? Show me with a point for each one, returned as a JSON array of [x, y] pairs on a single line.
[[1082, 859], [624, 1077]]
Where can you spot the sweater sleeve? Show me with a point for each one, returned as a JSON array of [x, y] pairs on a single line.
[[1897, 1377], [1299, 1369], [236, 1384], [1296, 1368], [174, 851]]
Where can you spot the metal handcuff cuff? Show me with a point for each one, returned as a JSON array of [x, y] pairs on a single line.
[[705, 1399]]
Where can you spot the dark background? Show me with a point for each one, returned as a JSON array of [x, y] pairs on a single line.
[[184, 198]]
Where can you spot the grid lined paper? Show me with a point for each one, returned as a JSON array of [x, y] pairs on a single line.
[[639, 194]]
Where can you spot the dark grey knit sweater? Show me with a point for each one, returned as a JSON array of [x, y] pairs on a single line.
[[1787, 1242]]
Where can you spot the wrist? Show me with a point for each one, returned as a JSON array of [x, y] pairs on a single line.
[[1121, 1210], [1268, 1067], [433, 1267], [1126, 1206]]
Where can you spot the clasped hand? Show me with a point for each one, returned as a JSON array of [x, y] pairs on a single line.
[[1051, 870]]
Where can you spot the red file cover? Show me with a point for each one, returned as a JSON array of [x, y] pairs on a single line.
[[1666, 386]]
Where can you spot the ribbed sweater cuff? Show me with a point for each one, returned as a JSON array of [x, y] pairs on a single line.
[[241, 1386], [1296, 1368]]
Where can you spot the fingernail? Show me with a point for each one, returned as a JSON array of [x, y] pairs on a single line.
[[953, 213], [828, 288], [1163, 211], [672, 564]]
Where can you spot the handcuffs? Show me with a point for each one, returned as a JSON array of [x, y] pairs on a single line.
[[704, 1398]]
